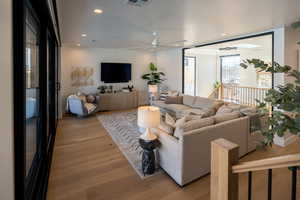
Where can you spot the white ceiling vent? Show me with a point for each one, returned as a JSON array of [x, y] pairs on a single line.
[[137, 2]]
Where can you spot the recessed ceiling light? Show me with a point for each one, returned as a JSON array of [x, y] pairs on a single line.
[[78, 45], [98, 11], [83, 35], [224, 34]]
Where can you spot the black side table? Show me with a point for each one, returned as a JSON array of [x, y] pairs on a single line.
[[148, 158]]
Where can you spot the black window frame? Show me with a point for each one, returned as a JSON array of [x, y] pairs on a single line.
[[230, 40]]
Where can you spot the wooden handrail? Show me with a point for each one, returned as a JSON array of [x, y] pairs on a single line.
[[237, 86], [225, 168], [268, 163]]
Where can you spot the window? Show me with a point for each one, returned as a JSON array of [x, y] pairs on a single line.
[[189, 75], [230, 69], [264, 79]]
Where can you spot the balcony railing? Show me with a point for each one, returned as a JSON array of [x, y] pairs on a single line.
[[225, 167]]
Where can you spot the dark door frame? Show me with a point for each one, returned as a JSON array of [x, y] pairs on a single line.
[[37, 187], [230, 40]]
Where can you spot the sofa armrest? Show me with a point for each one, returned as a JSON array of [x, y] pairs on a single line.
[[170, 154], [196, 145]]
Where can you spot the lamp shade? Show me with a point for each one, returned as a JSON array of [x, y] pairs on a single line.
[[153, 88], [148, 116]]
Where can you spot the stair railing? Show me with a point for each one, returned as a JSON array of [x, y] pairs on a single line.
[[225, 168]]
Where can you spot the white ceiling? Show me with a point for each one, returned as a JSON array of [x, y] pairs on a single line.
[[197, 21]]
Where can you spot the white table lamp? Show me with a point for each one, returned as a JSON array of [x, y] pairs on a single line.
[[148, 117]]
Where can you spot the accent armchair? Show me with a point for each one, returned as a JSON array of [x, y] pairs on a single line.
[[78, 106]]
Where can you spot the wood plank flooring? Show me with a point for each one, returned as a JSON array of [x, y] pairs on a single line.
[[87, 165]]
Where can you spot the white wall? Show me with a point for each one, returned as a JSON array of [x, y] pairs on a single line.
[[292, 37], [92, 57], [6, 107], [206, 70], [170, 62]]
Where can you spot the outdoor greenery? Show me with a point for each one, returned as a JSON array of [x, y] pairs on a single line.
[[154, 77], [285, 100], [217, 85]]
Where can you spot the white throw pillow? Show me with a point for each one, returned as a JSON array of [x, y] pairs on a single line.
[[165, 127], [170, 120], [180, 121], [90, 107]]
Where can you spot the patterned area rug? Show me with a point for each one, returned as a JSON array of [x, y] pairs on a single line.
[[123, 129]]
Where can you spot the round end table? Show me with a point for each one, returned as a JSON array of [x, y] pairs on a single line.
[[148, 157]]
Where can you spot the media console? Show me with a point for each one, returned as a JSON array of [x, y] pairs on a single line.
[[122, 100]]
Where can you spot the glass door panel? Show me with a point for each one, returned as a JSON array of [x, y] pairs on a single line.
[[32, 92]]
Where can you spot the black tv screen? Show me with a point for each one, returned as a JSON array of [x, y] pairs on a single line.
[[115, 72]]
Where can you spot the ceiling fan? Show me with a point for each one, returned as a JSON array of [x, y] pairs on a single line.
[[156, 44]]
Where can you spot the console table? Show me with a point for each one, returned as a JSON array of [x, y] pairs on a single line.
[[122, 100]]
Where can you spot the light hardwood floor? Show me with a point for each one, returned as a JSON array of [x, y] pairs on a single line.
[[87, 165]]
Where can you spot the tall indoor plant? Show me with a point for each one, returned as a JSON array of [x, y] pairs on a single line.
[[285, 99], [154, 77]]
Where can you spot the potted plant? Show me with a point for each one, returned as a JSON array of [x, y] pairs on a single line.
[[154, 77], [285, 99]]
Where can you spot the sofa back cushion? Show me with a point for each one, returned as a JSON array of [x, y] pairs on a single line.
[[192, 125], [206, 103], [188, 100], [226, 117], [229, 108], [174, 100]]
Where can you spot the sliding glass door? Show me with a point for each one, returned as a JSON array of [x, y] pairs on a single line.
[[35, 96], [32, 97]]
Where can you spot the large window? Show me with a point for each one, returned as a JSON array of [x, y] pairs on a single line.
[[189, 75], [230, 69], [219, 74]]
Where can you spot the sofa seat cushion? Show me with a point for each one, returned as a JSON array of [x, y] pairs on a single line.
[[200, 112], [159, 103], [188, 100], [177, 107], [192, 125], [226, 117]]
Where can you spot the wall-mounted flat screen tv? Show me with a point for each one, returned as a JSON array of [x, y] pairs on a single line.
[[115, 72]]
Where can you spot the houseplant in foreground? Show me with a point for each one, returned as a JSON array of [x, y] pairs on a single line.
[[285, 99]]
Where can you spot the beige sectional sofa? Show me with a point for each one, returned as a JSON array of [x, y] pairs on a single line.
[[186, 156], [190, 105]]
